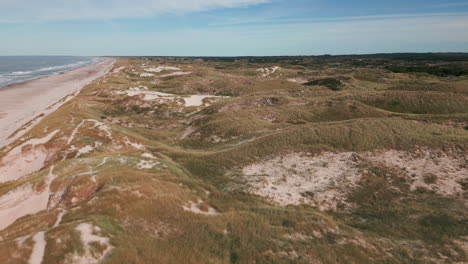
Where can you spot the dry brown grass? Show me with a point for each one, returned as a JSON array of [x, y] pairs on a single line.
[[141, 210]]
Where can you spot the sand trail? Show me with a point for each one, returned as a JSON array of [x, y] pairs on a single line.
[[39, 248]]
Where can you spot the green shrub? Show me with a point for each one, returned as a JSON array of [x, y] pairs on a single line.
[[331, 83]]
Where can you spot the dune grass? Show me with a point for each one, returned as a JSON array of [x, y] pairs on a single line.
[[199, 153]]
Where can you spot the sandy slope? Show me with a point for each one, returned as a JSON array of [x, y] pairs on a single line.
[[21, 103]]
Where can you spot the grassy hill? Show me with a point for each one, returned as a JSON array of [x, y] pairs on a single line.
[[250, 160]]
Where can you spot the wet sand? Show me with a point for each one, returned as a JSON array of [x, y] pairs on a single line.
[[32, 100]]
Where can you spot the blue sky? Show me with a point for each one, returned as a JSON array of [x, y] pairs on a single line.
[[231, 27]]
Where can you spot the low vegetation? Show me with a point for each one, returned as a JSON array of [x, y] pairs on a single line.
[[354, 159], [442, 71]]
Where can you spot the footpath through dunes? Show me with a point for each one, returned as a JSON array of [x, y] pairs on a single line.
[[23, 105], [189, 161]]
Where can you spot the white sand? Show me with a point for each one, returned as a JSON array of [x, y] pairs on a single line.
[[190, 100], [134, 144], [24, 102], [175, 74], [59, 218], [197, 100], [23, 201], [148, 155], [20, 202], [285, 179], [162, 68], [147, 164], [266, 72], [38, 250], [297, 80], [104, 160], [88, 236], [146, 74], [449, 170], [119, 69], [88, 148], [329, 177], [18, 163], [195, 208], [187, 132]]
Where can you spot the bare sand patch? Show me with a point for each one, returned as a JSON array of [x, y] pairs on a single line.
[[39, 248], [145, 75], [175, 74], [135, 145], [302, 178], [162, 68], [267, 72], [147, 164], [87, 234], [20, 202], [23, 201], [197, 100], [190, 100], [147, 95], [59, 218], [88, 148], [325, 180], [148, 155], [430, 170], [200, 207], [26, 158], [88, 238], [187, 132], [297, 80], [118, 69]]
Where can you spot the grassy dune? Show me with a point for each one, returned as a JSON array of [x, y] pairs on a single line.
[[167, 183]]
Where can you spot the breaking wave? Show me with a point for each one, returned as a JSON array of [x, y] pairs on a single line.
[[7, 78]]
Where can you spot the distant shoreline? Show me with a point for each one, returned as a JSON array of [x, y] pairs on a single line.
[[24, 104], [53, 74]]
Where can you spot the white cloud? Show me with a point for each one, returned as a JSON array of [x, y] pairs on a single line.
[[33, 10], [238, 21]]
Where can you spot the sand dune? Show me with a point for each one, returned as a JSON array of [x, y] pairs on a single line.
[[19, 162]]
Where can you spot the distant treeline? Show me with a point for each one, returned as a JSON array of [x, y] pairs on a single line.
[[447, 57], [442, 71]]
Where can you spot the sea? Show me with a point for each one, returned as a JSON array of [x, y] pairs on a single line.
[[16, 69]]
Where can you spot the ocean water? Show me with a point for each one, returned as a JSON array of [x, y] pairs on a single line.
[[15, 69]]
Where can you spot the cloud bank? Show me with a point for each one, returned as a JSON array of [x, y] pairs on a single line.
[[33, 10]]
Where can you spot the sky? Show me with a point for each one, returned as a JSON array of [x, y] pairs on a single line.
[[231, 27]]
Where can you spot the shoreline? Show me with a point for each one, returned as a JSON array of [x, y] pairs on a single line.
[[22, 105], [13, 85]]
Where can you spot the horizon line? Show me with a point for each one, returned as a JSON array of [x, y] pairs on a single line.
[[244, 56]]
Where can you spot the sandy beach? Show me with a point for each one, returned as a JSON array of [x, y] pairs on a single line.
[[32, 100]]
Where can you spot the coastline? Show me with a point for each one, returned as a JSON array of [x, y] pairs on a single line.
[[22, 105], [58, 72]]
